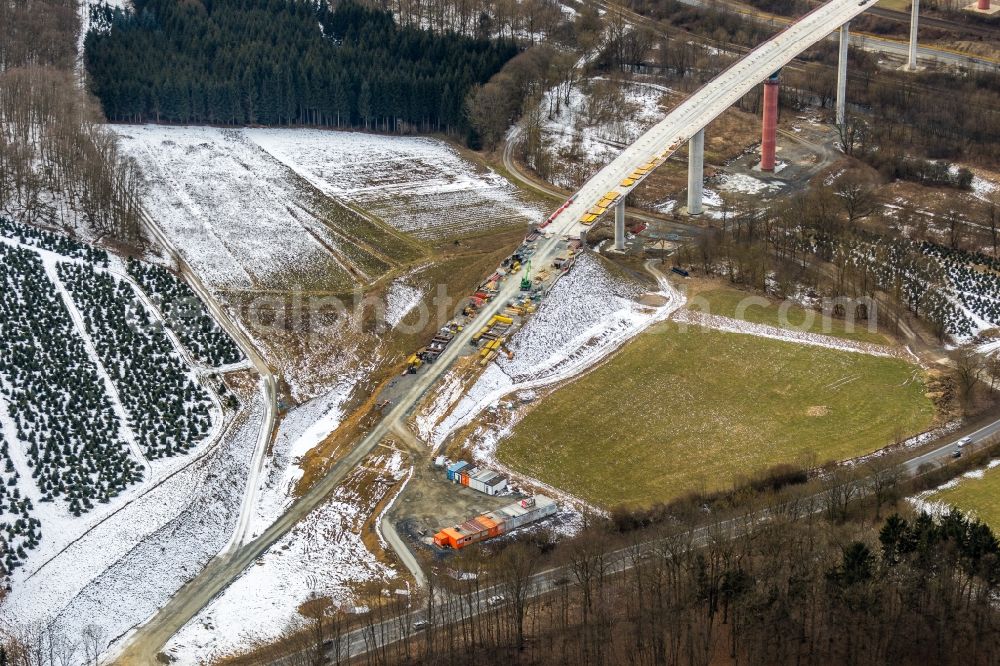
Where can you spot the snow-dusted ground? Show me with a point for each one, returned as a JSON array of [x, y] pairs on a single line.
[[418, 185], [322, 556], [129, 564], [586, 316], [241, 218], [731, 325], [302, 429], [925, 501], [400, 300], [596, 139], [746, 184]]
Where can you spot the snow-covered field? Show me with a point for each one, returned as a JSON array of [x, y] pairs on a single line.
[[417, 185], [241, 218], [322, 556]]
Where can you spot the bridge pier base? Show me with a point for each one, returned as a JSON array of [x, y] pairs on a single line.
[[696, 172], [845, 37], [620, 225], [911, 63], [769, 133]]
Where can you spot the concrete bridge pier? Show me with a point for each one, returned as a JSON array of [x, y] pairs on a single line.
[[696, 172], [845, 36], [769, 133], [911, 64], [620, 225]]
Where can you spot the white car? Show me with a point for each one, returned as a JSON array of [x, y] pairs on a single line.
[[962, 442], [495, 600]]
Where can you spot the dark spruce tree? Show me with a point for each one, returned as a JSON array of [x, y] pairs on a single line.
[[283, 62]]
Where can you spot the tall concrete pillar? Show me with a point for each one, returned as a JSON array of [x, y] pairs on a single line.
[[620, 224], [696, 172], [914, 13], [983, 5], [769, 134], [845, 36]]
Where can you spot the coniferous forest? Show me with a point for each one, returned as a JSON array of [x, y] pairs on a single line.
[[283, 62]]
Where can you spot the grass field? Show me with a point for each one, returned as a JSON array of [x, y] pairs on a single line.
[[725, 302], [673, 413], [980, 496]]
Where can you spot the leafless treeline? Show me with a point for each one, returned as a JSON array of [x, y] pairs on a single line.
[[59, 165], [42, 644], [510, 19], [814, 583], [38, 32]]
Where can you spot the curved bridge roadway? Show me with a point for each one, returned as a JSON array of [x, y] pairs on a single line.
[[653, 146]]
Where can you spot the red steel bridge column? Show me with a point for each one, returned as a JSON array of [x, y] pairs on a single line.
[[984, 5], [768, 138]]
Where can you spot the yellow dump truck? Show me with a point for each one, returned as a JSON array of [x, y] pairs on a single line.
[[413, 363]]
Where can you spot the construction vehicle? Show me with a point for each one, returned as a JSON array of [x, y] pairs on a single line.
[[526, 280], [413, 364]]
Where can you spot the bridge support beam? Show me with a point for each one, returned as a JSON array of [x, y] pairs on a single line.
[[983, 5], [911, 64], [769, 134], [620, 225], [696, 172], [845, 37]]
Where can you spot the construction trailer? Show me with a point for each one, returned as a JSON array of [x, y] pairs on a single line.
[[495, 523], [455, 468], [482, 479]]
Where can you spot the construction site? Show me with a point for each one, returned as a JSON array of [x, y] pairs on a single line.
[[491, 335]]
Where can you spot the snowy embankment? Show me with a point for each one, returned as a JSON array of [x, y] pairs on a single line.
[[418, 185], [730, 325], [323, 556], [588, 315], [922, 501], [301, 430], [401, 299]]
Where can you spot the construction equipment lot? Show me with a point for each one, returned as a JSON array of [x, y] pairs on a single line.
[[432, 502]]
